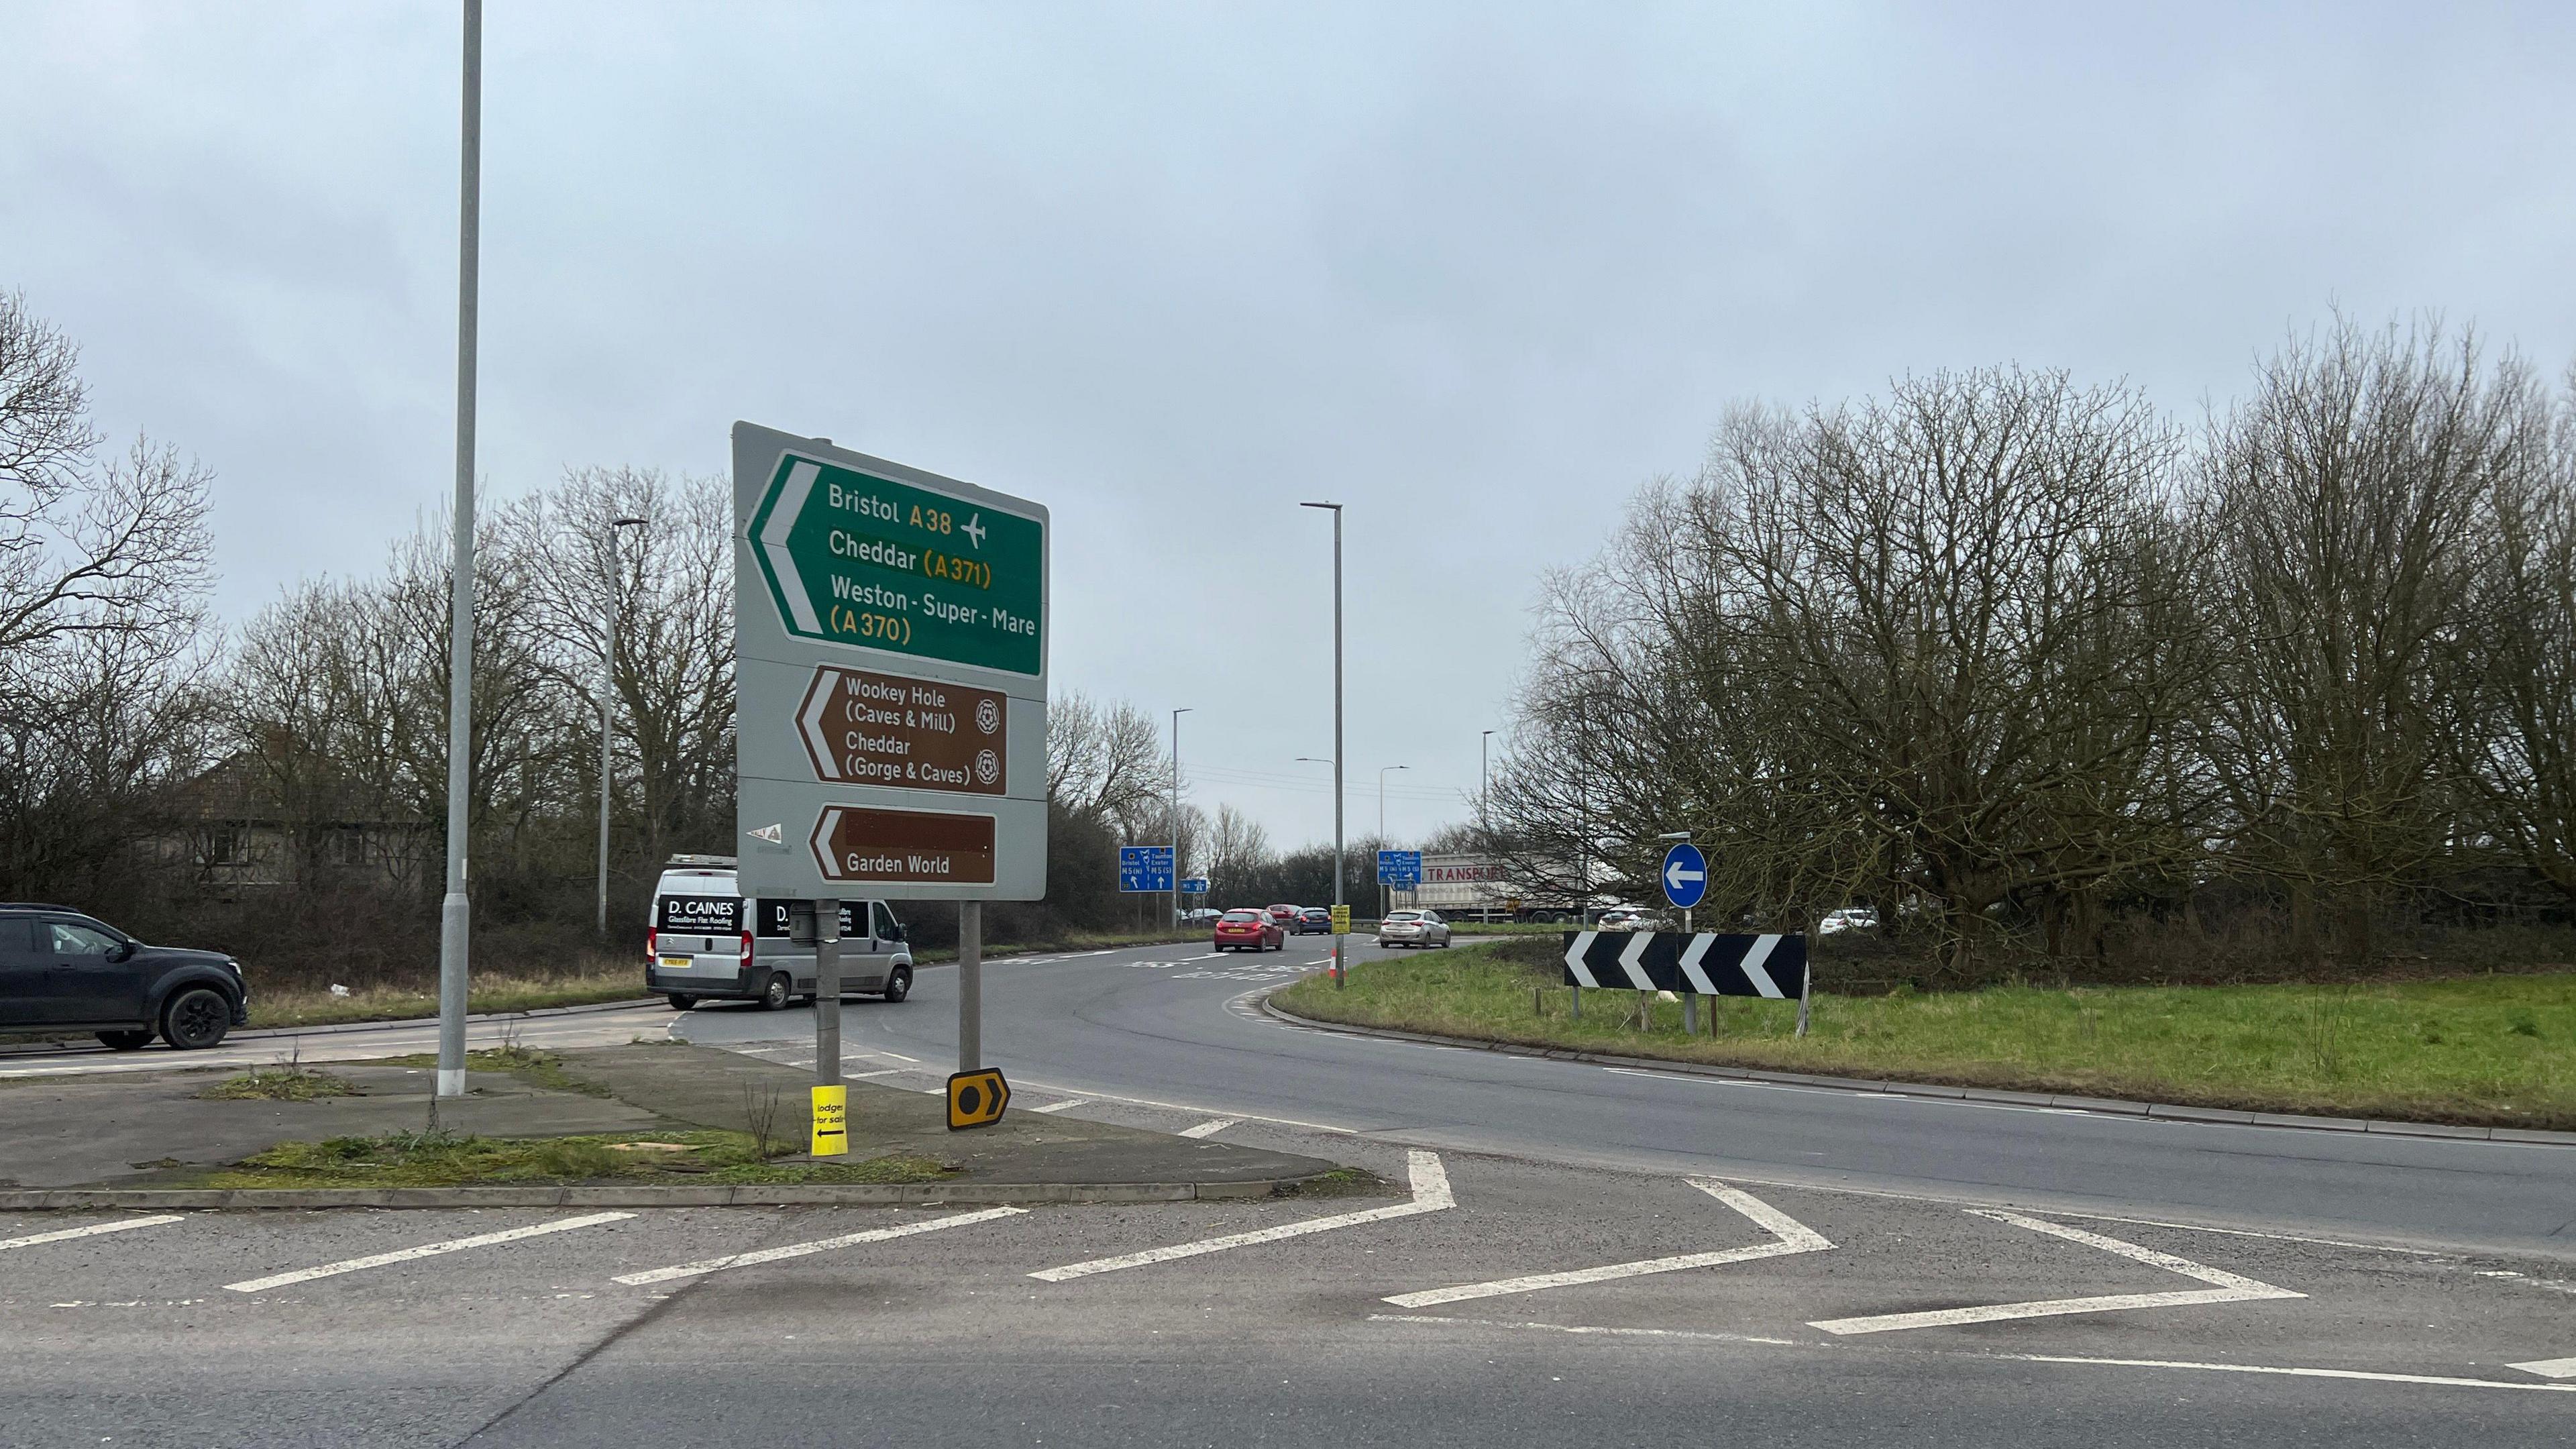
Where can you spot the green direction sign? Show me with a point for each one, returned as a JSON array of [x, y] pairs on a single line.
[[856, 559]]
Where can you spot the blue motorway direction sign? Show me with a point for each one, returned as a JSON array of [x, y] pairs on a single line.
[[1196, 885], [1685, 876], [1400, 868], [1144, 868]]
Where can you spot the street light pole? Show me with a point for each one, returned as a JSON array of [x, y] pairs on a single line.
[[607, 655], [455, 914], [1385, 893], [1341, 942], [1175, 815]]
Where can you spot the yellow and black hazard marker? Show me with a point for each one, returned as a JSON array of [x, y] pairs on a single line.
[[976, 1099]]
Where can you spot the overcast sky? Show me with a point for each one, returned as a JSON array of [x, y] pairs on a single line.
[[1477, 271]]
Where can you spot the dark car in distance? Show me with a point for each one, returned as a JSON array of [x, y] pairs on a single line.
[[1314, 921], [63, 971]]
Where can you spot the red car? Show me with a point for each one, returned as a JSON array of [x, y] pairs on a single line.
[[1287, 916], [1249, 930]]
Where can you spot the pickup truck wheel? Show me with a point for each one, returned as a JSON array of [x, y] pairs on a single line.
[[126, 1041], [775, 995], [196, 1018], [679, 1002], [899, 983]]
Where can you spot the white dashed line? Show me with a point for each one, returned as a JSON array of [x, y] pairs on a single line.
[[1068, 1102], [1210, 1129], [93, 1230], [1430, 1195], [819, 1245], [427, 1250]]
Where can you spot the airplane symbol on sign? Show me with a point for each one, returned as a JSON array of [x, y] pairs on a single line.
[[974, 529]]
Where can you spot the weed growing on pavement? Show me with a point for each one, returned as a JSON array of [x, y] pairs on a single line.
[[286, 1082], [2494, 1050]]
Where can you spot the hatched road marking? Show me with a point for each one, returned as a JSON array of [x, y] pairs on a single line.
[[1430, 1195], [2549, 1368], [93, 1230], [819, 1245], [2231, 1288], [427, 1250], [1788, 1236]]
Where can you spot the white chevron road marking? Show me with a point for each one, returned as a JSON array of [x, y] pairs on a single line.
[[1787, 1233]]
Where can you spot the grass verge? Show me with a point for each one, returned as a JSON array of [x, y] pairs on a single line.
[[583, 986], [2486, 1050], [535, 1067], [437, 1159]]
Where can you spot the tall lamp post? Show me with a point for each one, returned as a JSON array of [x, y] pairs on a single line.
[[455, 913], [1385, 894], [1341, 943], [607, 655], [1175, 816], [1485, 814]]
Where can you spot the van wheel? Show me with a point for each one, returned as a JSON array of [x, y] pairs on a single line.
[[196, 1018], [899, 984], [681, 1003], [775, 995]]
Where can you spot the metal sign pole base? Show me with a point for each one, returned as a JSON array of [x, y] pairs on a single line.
[[1804, 982], [970, 986], [1690, 1013]]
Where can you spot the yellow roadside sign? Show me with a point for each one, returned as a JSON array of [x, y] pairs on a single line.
[[976, 1099], [831, 1121], [1341, 920]]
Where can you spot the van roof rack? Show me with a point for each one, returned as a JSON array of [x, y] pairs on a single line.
[[726, 861]]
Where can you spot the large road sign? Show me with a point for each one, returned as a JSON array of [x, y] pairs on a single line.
[[890, 645], [1399, 868], [976, 1098], [1144, 869], [1685, 876], [1711, 965]]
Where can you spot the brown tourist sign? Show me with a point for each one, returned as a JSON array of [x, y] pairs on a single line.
[[862, 727], [854, 843]]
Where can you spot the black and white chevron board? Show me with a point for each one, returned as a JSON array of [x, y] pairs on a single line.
[[1774, 967]]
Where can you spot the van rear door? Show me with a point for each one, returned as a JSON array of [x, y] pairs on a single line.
[[698, 928]]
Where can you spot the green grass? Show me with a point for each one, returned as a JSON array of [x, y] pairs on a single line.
[[492, 993], [2489, 1050], [279, 1084], [433, 1159]]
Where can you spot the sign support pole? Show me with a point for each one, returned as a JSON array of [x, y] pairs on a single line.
[[970, 985], [455, 914], [1804, 982], [827, 993]]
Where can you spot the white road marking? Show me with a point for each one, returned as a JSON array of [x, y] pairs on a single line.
[[1788, 1236], [819, 1245], [888, 1072], [427, 1250], [1061, 1106], [2231, 1288], [1210, 1128], [93, 1230], [2284, 1370], [2549, 1368], [2290, 1371], [2250, 1233], [1430, 1195], [1586, 1329]]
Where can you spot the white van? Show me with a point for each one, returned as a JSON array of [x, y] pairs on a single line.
[[708, 944]]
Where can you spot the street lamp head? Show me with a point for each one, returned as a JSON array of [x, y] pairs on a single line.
[[1674, 835], [626, 523], [1333, 506]]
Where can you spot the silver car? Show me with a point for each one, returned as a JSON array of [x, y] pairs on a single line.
[[1413, 928]]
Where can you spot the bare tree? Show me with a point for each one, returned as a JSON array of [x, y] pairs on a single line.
[[2346, 505]]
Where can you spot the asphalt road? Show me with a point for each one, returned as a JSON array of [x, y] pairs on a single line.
[[1172, 1024], [1565, 1255]]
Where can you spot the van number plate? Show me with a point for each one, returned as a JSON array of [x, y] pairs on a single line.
[[679, 963]]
